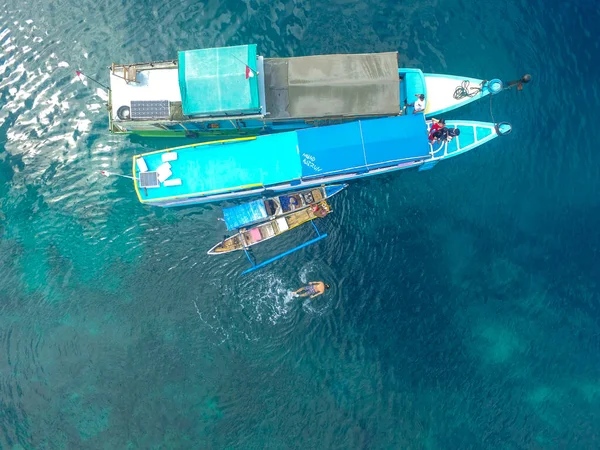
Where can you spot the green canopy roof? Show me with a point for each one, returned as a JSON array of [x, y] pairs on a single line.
[[213, 81]]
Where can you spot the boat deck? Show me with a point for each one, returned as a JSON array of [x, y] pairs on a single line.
[[146, 88], [228, 165], [440, 92], [299, 217]]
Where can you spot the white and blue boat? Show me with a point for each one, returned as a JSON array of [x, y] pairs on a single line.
[[300, 159], [232, 91]]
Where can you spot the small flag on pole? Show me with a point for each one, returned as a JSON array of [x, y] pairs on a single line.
[[84, 79], [249, 72], [81, 77]]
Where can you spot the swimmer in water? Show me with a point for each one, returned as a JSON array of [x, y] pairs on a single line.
[[312, 289]]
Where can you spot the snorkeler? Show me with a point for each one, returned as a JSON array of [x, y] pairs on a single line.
[[312, 289]]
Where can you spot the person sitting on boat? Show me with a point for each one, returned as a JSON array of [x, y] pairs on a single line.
[[446, 134], [312, 289], [436, 133], [319, 211], [451, 133], [419, 104]]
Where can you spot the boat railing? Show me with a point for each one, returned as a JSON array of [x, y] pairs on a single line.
[[442, 146], [185, 119], [168, 64]]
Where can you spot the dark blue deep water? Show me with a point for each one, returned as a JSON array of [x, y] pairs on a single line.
[[465, 303]]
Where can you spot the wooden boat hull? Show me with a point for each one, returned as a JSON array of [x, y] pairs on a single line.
[[247, 214], [250, 236]]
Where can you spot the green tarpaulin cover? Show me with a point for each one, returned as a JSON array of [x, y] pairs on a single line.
[[332, 85]]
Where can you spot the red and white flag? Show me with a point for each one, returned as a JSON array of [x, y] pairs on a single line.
[[99, 92], [81, 77], [249, 72]]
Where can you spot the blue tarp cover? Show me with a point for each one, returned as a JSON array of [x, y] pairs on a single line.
[[331, 150], [213, 81], [238, 216], [363, 145], [395, 139]]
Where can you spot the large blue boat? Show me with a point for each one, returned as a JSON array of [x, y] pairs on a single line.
[[232, 91], [294, 160]]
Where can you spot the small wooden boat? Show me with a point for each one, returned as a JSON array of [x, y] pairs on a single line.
[[247, 237], [264, 209]]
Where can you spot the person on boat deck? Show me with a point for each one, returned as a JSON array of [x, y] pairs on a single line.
[[312, 289], [318, 210], [440, 135], [451, 133], [446, 134], [419, 104], [435, 133]]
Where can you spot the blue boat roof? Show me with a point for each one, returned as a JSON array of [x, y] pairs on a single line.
[[240, 215], [225, 166], [213, 81], [363, 145], [234, 165]]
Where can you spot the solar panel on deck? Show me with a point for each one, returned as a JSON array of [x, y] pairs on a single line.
[[155, 109], [149, 180]]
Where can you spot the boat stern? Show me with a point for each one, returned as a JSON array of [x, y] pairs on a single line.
[[412, 83]]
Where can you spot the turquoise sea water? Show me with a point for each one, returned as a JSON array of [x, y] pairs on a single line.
[[464, 305]]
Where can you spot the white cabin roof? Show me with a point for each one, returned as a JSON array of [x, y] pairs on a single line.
[[157, 84]]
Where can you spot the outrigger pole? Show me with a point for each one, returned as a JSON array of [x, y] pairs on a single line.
[[275, 258], [107, 174]]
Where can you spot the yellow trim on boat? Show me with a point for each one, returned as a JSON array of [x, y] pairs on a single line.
[[135, 180], [215, 191], [224, 141]]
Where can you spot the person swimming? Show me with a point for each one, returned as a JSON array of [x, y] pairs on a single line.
[[312, 289]]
